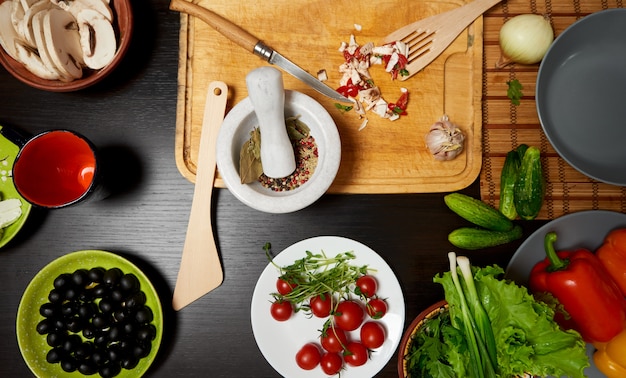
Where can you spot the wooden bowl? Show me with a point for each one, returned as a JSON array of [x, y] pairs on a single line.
[[405, 343], [122, 25]]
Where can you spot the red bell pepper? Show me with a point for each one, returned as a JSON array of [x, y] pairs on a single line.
[[612, 255], [582, 286]]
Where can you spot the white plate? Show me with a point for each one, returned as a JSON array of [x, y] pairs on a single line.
[[585, 229], [280, 341]]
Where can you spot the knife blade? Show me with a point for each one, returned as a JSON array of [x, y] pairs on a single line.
[[255, 45]]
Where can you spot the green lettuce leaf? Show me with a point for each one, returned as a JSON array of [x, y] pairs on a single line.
[[527, 339]]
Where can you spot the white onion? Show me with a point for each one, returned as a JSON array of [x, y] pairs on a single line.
[[525, 39]]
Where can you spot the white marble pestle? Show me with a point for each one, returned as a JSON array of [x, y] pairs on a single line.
[[267, 94]]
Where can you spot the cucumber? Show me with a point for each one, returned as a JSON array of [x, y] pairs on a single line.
[[530, 186], [479, 238], [508, 178], [521, 150], [477, 212]]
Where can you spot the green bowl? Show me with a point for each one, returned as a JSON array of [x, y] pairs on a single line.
[[34, 346]]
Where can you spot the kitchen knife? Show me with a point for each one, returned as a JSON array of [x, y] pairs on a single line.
[[254, 45]]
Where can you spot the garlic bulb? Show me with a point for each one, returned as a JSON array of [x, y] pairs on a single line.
[[445, 139]]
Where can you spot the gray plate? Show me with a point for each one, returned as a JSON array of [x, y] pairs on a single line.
[[581, 95]]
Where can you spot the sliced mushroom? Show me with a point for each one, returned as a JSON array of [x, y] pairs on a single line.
[[76, 6], [28, 56], [97, 39], [8, 34], [40, 42], [26, 4], [17, 15], [63, 42], [26, 24]]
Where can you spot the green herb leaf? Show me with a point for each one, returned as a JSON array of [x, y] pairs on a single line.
[[514, 91], [343, 108], [250, 167]]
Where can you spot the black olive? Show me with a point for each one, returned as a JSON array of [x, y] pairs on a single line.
[[84, 350], [80, 278], [70, 293], [130, 328], [129, 283], [119, 315], [59, 324], [55, 296], [54, 339], [45, 326], [75, 324], [115, 333], [129, 362], [99, 356], [110, 370], [55, 355], [115, 353], [136, 300], [100, 321], [106, 305], [146, 332], [68, 308], [89, 331], [100, 291], [87, 367], [96, 274], [112, 277], [87, 310], [117, 295], [144, 315], [48, 310], [68, 364], [141, 351], [86, 295], [62, 280], [101, 339], [71, 342]]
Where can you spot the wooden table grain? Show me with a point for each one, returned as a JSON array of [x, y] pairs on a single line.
[[130, 117]]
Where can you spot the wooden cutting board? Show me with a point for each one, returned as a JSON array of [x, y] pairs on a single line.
[[505, 126], [386, 156]]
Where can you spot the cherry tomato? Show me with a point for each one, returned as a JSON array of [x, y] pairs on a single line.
[[372, 335], [356, 354], [309, 356], [284, 287], [348, 315], [376, 308], [331, 363], [321, 305], [281, 310], [366, 285], [334, 340]]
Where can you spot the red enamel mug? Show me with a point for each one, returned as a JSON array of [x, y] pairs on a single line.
[[57, 168]]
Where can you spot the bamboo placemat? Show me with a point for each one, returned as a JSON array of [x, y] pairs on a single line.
[[505, 125]]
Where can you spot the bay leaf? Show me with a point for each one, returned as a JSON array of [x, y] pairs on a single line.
[[250, 166]]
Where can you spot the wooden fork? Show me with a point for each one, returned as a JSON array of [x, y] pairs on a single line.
[[429, 37]]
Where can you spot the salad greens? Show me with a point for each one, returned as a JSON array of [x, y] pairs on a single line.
[[527, 340]]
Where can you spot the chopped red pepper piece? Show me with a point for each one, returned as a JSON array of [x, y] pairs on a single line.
[[580, 283], [400, 106]]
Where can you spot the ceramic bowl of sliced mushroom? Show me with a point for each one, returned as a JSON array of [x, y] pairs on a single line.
[[63, 45]]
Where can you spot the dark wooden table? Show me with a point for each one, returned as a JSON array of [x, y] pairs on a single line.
[[131, 116]]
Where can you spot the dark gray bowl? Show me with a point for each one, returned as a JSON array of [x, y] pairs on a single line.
[[581, 95]]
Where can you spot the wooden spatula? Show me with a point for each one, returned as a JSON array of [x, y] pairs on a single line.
[[429, 37], [200, 267]]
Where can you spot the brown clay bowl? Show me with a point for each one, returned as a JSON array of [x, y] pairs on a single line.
[[405, 343], [123, 26]]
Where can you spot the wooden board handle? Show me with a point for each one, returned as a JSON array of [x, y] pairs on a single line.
[[217, 22]]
